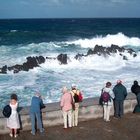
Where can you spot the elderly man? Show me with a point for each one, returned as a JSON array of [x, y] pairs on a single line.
[[120, 93], [35, 112]]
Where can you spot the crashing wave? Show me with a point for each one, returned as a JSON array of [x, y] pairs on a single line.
[[63, 58]]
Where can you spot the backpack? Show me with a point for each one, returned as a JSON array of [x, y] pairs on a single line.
[[105, 96], [7, 111], [78, 98]]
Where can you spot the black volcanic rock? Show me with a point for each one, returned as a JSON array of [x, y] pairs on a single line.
[[16, 68], [40, 59], [90, 52], [100, 50], [134, 55], [78, 56], [26, 66], [4, 69], [62, 58]]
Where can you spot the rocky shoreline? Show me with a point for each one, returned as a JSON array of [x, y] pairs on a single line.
[[35, 61]]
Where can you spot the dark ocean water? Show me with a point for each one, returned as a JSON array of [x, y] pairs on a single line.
[[24, 31], [20, 38]]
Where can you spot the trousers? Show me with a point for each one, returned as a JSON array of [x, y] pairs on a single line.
[[119, 108], [107, 109], [36, 116], [75, 115], [67, 118]]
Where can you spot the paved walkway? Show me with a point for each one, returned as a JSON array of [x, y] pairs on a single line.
[[126, 128]]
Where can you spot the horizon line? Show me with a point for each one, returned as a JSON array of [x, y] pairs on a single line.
[[72, 18]]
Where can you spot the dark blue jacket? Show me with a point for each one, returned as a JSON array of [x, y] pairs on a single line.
[[36, 104], [120, 92]]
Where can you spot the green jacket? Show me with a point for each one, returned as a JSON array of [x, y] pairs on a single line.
[[120, 92]]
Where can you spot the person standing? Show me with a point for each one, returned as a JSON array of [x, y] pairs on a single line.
[[13, 120], [107, 100], [136, 90], [66, 106], [120, 93], [75, 94], [35, 113]]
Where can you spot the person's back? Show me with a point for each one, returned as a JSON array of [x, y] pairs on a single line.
[[66, 106], [120, 92], [107, 101], [66, 101], [35, 112], [76, 99], [35, 104], [135, 88]]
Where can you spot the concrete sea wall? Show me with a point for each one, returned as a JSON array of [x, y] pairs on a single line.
[[52, 114]]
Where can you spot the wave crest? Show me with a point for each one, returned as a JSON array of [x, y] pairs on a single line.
[[117, 39]]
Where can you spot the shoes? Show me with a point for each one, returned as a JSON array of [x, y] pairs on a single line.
[[43, 133], [65, 128], [115, 117], [11, 135], [15, 135], [43, 130], [32, 133], [106, 120]]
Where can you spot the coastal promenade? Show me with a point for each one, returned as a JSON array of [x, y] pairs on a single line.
[[91, 125], [126, 128]]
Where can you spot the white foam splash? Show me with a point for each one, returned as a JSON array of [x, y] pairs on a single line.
[[117, 39]]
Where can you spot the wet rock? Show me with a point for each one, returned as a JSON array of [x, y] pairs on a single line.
[[16, 68], [79, 56], [134, 55], [3, 69], [125, 58], [62, 58], [90, 52], [40, 59]]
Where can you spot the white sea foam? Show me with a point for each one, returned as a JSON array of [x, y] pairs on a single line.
[[94, 62], [13, 31], [117, 39]]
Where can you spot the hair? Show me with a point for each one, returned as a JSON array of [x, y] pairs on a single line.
[[135, 82], [14, 96], [108, 84], [64, 89], [119, 81], [73, 88]]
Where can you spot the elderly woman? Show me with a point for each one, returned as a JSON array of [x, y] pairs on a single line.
[[107, 103], [66, 106]]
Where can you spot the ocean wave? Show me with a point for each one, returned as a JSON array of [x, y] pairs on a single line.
[[117, 39], [13, 31], [92, 62]]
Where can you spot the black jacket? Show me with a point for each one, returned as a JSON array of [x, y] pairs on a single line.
[[135, 89]]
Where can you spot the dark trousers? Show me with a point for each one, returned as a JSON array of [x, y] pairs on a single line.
[[118, 108], [138, 98]]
